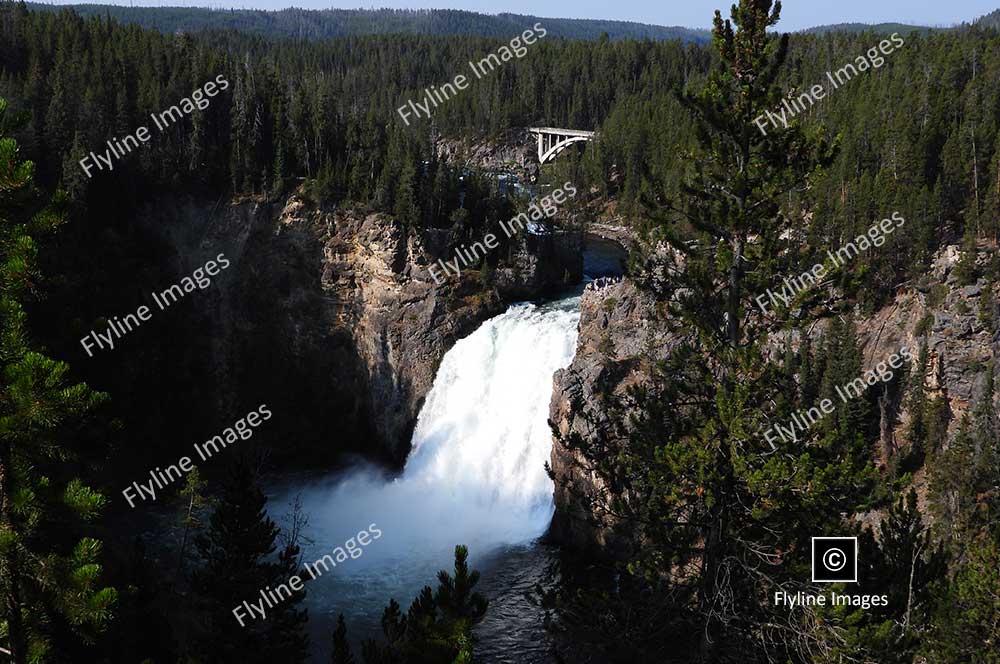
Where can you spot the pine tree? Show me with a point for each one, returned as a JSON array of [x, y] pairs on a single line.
[[194, 502], [406, 208], [988, 309], [809, 373], [47, 580], [965, 269], [341, 648], [693, 478], [967, 627], [908, 552], [967, 623], [986, 430], [966, 488], [904, 564], [907, 567], [278, 170], [437, 629], [74, 180], [843, 364], [239, 562], [950, 475]]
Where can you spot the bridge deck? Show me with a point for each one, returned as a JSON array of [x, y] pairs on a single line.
[[561, 132]]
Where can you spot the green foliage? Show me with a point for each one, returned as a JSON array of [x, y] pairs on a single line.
[[965, 497], [194, 502], [329, 23], [715, 513], [988, 308], [49, 580], [937, 295], [692, 484], [904, 564], [299, 109], [950, 474], [238, 562], [910, 567], [83, 500], [966, 270], [968, 622], [924, 325], [437, 629], [917, 405]]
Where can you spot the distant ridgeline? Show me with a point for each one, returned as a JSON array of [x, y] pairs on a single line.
[[879, 28], [991, 20], [326, 23]]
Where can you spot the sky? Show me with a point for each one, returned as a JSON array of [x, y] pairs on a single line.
[[797, 14]]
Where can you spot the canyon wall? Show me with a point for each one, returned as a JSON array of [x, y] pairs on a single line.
[[332, 317], [621, 332]]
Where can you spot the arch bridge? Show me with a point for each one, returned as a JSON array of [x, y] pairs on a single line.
[[552, 141]]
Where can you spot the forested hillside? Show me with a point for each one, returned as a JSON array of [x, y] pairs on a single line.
[[880, 28], [918, 135], [322, 24], [991, 20], [287, 140], [326, 110]]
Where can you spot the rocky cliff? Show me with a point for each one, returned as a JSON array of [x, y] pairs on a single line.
[[621, 331], [947, 316], [515, 154], [333, 313], [332, 317]]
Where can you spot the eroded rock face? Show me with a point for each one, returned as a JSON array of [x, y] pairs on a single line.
[[336, 311], [541, 264], [945, 314], [620, 330], [515, 154], [332, 317]]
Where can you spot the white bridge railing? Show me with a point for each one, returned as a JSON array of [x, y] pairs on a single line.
[[552, 141]]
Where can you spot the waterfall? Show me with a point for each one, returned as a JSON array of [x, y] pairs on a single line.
[[482, 437], [475, 474]]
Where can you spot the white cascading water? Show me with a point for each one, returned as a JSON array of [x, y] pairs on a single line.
[[482, 437], [475, 475]]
